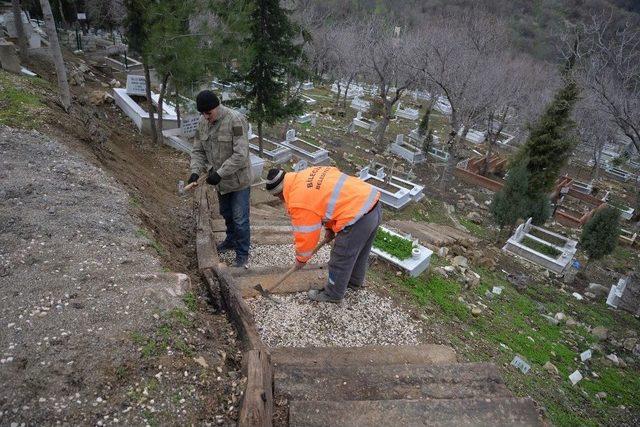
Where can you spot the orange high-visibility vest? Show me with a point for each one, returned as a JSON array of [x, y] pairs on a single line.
[[323, 196]]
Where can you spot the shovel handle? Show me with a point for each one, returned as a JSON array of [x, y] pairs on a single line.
[[194, 184], [296, 266]]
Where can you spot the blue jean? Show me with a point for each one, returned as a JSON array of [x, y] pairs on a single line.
[[234, 208]]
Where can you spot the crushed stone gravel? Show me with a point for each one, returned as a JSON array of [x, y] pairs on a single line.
[[363, 318], [275, 255]]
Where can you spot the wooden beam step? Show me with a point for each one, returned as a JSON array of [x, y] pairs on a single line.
[[300, 281], [388, 382], [374, 355], [439, 413]]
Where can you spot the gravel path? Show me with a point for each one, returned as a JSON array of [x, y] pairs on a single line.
[[275, 255], [363, 318]]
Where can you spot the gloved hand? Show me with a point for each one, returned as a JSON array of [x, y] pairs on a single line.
[[213, 178], [328, 235], [193, 178]]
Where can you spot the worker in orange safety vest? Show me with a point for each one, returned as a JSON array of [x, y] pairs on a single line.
[[346, 207]]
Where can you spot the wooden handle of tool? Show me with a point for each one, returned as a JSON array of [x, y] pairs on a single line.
[[195, 183], [296, 267]]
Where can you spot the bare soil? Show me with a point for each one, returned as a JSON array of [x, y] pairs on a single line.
[[92, 223]]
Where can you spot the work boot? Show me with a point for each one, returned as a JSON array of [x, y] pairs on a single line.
[[227, 245], [321, 296], [241, 262], [354, 286]]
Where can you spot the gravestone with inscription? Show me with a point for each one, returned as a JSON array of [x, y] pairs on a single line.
[[136, 85]]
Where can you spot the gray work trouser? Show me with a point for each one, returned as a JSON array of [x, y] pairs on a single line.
[[350, 254]]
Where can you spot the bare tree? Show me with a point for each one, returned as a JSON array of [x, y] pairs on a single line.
[[608, 63], [56, 53], [22, 38], [387, 61], [520, 89], [592, 131], [458, 54]]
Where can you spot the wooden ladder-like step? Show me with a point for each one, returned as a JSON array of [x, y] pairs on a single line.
[[394, 413]]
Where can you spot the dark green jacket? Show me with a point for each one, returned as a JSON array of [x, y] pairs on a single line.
[[224, 147]]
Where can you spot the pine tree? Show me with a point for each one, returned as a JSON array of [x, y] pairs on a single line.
[[273, 57], [549, 144], [600, 234], [511, 203]]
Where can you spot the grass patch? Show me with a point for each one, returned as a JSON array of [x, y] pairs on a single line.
[[20, 105], [190, 301], [439, 291], [540, 247], [141, 232], [475, 229], [393, 245], [181, 317]]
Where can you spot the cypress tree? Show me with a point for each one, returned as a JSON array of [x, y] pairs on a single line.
[[549, 144], [512, 203], [600, 234]]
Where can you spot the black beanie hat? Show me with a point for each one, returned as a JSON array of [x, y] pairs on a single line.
[[275, 178], [206, 101]]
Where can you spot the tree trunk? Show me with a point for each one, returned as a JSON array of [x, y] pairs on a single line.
[[384, 123], [451, 163], [163, 91], [346, 91], [54, 47], [22, 38], [260, 138], [152, 120], [337, 101], [63, 21], [178, 106]]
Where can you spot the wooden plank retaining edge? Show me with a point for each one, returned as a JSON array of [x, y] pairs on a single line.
[[257, 404]]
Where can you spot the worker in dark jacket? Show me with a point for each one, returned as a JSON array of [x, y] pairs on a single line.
[[221, 146]]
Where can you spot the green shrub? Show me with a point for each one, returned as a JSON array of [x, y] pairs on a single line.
[[600, 234]]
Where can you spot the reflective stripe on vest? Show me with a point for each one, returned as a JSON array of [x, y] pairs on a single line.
[[365, 207], [307, 228], [331, 206]]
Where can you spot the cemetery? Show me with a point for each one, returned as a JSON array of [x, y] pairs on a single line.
[[407, 112], [468, 170], [360, 104], [364, 122], [524, 309], [391, 193], [272, 151], [123, 62], [310, 152], [136, 108], [575, 208], [626, 294], [618, 174], [410, 153], [415, 262], [541, 247]]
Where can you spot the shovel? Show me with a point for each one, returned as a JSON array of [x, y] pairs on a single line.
[[266, 292]]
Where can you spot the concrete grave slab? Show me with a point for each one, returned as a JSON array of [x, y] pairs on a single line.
[[557, 264], [415, 265]]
